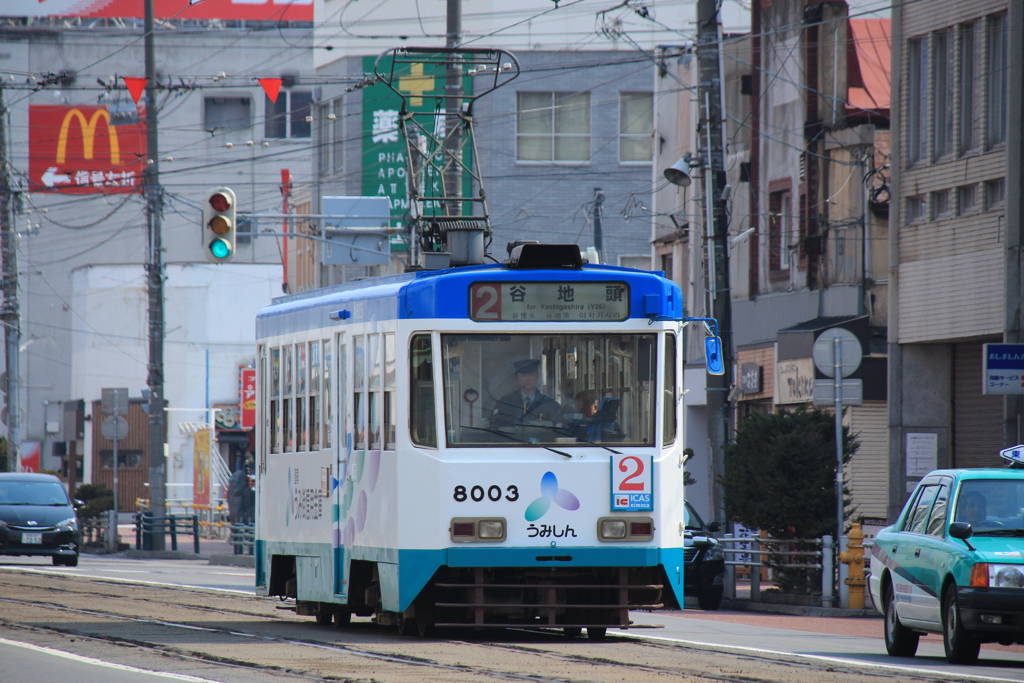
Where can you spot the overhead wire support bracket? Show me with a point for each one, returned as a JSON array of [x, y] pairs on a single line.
[[437, 140]]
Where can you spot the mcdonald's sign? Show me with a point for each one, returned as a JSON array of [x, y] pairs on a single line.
[[85, 149]]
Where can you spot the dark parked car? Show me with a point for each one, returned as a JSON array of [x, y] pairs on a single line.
[[37, 518], [705, 561]]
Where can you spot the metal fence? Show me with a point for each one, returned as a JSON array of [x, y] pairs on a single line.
[[147, 525], [751, 551], [243, 537]]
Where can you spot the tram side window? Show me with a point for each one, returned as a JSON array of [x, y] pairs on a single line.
[[389, 391], [314, 395], [301, 419], [422, 418], [373, 350], [286, 413], [275, 400], [359, 390], [669, 407]]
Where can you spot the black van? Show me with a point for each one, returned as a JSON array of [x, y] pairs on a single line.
[[37, 518]]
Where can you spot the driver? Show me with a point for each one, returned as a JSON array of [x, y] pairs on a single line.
[[527, 403], [973, 508]]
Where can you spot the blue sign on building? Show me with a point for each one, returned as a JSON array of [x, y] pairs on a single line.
[[1003, 369]]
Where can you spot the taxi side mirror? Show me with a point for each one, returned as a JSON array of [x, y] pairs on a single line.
[[961, 530]]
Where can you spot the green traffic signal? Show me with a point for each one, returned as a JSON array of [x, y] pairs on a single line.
[[219, 225], [220, 249]]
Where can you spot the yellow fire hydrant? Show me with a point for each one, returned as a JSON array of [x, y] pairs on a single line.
[[854, 556]]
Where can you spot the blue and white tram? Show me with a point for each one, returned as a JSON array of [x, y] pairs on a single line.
[[395, 480]]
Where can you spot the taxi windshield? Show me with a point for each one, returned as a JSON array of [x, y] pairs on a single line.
[[546, 389], [993, 507]]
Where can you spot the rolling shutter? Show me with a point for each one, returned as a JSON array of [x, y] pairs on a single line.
[[867, 473], [977, 417]]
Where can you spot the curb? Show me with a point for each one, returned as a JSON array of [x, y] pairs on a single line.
[[797, 610], [231, 560], [162, 555]]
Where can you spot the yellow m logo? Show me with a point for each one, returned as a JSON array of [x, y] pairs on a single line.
[[88, 135]]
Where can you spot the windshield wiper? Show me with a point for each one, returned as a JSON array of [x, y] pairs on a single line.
[[1000, 532], [533, 443]]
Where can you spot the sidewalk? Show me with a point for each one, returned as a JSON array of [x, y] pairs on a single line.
[[212, 550]]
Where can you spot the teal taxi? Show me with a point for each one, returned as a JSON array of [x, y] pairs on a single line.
[[953, 563]]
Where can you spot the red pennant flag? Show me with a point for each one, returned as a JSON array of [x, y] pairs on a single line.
[[135, 86], [271, 86]]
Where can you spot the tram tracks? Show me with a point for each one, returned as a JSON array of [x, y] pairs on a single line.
[[244, 634]]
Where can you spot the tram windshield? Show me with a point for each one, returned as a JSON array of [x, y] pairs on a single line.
[[547, 389]]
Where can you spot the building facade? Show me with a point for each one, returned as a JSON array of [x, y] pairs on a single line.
[[954, 233]]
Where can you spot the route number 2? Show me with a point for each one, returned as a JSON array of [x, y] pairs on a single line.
[[632, 483]]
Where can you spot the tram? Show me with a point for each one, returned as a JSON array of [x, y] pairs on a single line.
[[403, 475]]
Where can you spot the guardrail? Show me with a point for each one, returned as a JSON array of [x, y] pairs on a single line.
[[754, 549], [147, 525], [243, 537]]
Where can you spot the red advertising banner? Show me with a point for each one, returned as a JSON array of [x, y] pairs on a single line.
[[85, 149], [248, 398], [249, 10]]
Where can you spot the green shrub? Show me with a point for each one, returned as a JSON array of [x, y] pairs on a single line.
[[780, 477], [97, 498]]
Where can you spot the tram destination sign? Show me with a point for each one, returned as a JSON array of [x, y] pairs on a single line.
[[549, 301]]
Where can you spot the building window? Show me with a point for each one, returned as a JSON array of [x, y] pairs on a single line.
[[940, 204], [636, 127], [942, 49], [966, 199], [780, 229], [553, 127], [995, 193], [286, 118], [968, 88], [917, 121], [226, 114], [915, 208], [996, 79]]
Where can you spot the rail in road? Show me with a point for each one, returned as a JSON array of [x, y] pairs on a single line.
[[217, 635]]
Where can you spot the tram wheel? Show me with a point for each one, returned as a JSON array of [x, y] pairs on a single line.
[[425, 628], [406, 627], [597, 632], [324, 613], [342, 616]]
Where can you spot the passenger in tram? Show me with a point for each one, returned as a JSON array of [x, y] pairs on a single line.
[[589, 421], [526, 404]]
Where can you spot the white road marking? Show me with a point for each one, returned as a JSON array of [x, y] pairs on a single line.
[[821, 658], [109, 665]]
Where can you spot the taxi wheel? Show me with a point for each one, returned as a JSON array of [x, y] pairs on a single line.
[[962, 646], [900, 641]]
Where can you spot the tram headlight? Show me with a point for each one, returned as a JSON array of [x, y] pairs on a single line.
[[635, 529], [492, 529], [613, 529], [477, 530]]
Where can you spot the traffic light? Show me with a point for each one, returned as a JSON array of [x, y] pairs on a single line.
[[219, 225]]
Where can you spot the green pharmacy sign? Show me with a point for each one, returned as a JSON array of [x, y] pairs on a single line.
[[385, 166]]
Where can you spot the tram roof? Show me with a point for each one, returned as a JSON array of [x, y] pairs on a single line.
[[444, 294]]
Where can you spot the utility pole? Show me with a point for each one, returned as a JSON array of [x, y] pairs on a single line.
[[598, 236], [712, 140], [155, 279], [11, 315], [453, 89]]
